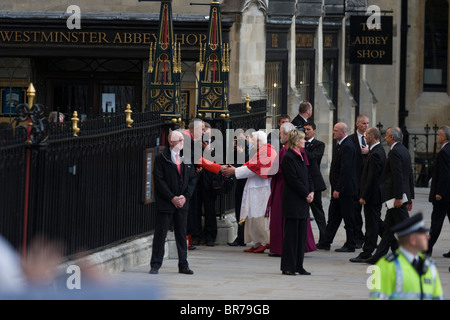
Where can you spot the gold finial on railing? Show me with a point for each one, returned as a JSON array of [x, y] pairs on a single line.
[[31, 93], [150, 59], [75, 120], [179, 57], [247, 101], [128, 112], [228, 57], [201, 57], [175, 59]]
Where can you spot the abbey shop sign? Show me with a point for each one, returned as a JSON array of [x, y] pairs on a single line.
[[370, 45], [81, 37]]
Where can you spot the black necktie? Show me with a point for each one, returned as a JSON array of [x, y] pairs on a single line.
[[307, 145], [416, 266], [363, 141]]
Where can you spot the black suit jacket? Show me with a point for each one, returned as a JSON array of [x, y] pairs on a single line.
[[314, 152], [441, 176], [297, 186], [398, 174], [371, 186], [343, 170], [360, 158], [298, 121], [168, 182]]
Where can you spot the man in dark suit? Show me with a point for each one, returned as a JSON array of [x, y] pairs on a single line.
[[398, 191], [314, 151], [174, 185], [343, 190], [305, 111], [440, 191], [371, 193], [362, 150]]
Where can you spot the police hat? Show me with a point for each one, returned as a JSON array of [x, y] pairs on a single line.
[[410, 225]]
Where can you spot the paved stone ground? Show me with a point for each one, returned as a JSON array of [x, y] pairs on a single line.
[[228, 273]]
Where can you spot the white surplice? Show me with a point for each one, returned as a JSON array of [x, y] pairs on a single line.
[[254, 203]]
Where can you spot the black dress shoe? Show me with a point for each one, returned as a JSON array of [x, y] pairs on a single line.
[[153, 271], [236, 243], [289, 273], [358, 259], [185, 270], [303, 272], [322, 246], [345, 249], [446, 255]]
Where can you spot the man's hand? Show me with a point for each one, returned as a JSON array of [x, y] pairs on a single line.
[[365, 150], [178, 201], [398, 203], [409, 206]]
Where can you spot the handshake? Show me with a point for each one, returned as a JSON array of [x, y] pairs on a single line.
[[227, 170]]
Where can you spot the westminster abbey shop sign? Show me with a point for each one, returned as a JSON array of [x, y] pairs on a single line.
[[370, 45], [102, 38]]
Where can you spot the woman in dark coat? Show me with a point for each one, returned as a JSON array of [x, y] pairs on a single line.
[[298, 192]]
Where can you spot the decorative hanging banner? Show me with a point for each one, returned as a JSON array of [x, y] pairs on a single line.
[[370, 45], [165, 68], [214, 69]]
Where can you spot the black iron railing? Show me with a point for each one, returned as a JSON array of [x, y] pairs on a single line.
[[87, 191]]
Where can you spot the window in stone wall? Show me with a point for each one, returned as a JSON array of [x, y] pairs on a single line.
[[436, 45], [274, 88], [303, 78]]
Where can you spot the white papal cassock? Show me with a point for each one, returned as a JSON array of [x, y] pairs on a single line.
[[254, 203]]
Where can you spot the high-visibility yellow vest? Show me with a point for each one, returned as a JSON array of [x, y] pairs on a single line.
[[399, 280]]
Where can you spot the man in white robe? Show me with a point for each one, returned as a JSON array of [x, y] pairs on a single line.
[[256, 192]]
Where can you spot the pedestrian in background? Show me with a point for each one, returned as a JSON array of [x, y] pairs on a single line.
[[305, 111], [371, 194], [343, 191], [398, 191], [362, 150], [314, 151], [440, 190]]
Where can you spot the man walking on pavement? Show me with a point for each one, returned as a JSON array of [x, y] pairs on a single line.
[[343, 190], [398, 191], [440, 191], [371, 193]]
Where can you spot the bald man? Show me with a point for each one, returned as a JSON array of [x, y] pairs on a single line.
[[174, 184], [343, 191]]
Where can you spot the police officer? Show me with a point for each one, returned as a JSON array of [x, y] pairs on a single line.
[[408, 274]]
